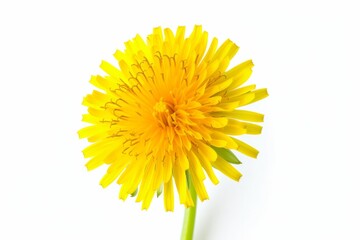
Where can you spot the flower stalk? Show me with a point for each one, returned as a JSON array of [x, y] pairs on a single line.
[[189, 217]]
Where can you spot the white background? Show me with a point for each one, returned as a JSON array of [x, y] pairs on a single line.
[[305, 183]]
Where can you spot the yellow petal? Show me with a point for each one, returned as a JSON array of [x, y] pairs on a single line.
[[181, 184], [241, 73], [169, 36], [237, 128], [146, 185], [201, 47], [252, 128], [224, 49], [238, 69], [167, 169], [113, 172], [244, 99], [96, 161], [199, 186], [89, 119], [227, 169], [147, 201], [206, 164], [130, 178], [182, 160], [100, 113], [228, 106], [96, 99], [169, 196], [259, 94], [95, 148], [211, 51], [241, 115], [218, 122], [179, 37], [91, 131], [138, 41], [158, 178], [206, 151], [246, 148], [233, 128], [195, 166], [219, 136], [239, 91], [218, 87], [102, 83], [111, 70], [189, 201], [217, 142]]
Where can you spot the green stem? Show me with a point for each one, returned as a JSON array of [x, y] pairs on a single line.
[[189, 217]]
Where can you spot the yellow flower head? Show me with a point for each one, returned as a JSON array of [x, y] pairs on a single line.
[[167, 113]]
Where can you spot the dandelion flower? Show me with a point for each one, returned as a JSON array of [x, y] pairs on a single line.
[[168, 114]]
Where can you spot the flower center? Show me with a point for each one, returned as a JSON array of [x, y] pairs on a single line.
[[162, 112]]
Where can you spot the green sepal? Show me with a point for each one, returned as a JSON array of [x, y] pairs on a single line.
[[227, 155], [134, 193], [159, 191], [187, 174]]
